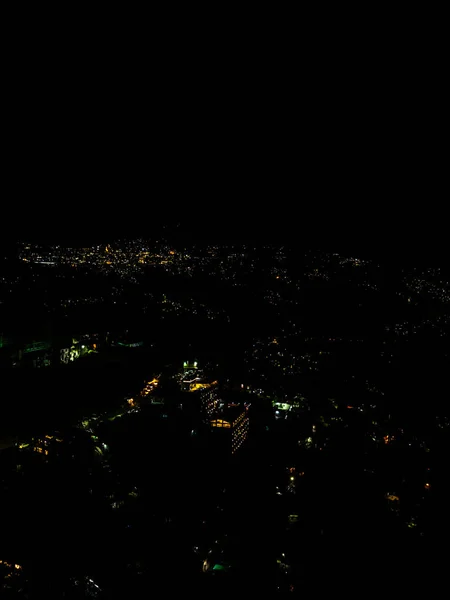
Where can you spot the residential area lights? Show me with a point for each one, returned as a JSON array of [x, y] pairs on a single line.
[[11, 565], [333, 351]]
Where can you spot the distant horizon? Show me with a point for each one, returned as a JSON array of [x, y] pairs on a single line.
[[408, 254]]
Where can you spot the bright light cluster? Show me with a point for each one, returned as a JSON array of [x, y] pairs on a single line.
[[240, 431]]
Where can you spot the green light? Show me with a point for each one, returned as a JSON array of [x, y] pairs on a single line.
[[3, 341], [35, 347]]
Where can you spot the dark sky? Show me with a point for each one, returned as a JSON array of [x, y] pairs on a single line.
[[337, 149], [331, 220], [338, 183]]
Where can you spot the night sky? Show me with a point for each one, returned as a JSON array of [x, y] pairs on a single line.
[[371, 229], [329, 155]]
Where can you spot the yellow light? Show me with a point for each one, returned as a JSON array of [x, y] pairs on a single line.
[[393, 498]]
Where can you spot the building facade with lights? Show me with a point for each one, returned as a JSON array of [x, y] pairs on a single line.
[[230, 428]]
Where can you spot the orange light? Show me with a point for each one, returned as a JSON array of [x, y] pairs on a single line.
[[393, 498], [427, 486]]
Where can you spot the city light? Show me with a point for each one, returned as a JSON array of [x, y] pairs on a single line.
[[226, 369]]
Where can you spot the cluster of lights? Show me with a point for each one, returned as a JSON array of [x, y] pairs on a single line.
[[41, 450], [210, 401], [148, 388], [12, 577], [221, 423], [126, 258], [42, 445], [240, 431], [195, 364], [11, 565], [437, 291]]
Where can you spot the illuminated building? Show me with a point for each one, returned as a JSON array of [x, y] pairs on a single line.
[[188, 366], [191, 378], [131, 344], [196, 386], [202, 398], [209, 399], [47, 444], [36, 347], [230, 428], [36, 354]]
